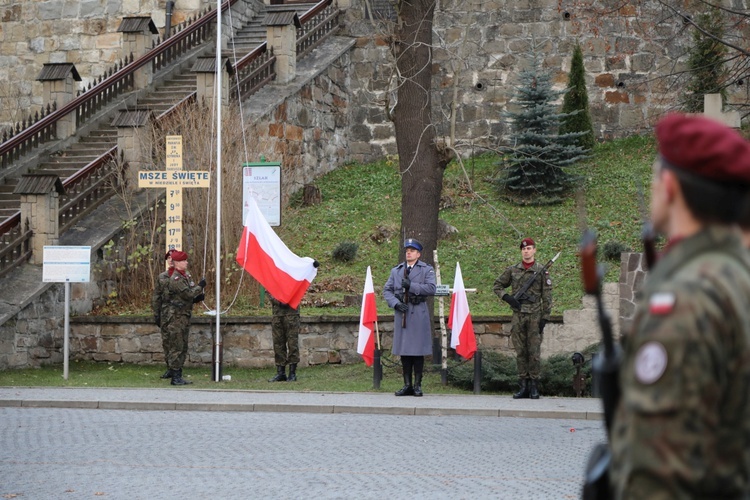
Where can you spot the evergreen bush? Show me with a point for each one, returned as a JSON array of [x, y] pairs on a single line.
[[576, 104], [499, 373], [611, 250], [706, 61], [346, 251], [534, 168]]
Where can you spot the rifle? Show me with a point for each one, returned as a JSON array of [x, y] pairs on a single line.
[[606, 371], [405, 293], [521, 293], [648, 236]]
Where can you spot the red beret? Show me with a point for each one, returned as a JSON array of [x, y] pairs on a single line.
[[704, 147], [526, 242], [178, 256]]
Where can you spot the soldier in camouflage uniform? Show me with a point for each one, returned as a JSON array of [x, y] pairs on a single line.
[[530, 314], [157, 303], [285, 325], [682, 425], [181, 294]]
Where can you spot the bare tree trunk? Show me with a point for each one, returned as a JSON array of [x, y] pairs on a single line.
[[420, 163]]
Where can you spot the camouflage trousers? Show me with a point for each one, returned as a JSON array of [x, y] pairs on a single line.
[[285, 339], [176, 333], [527, 342]]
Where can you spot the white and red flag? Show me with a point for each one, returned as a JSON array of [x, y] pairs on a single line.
[[459, 320], [367, 319], [262, 254]]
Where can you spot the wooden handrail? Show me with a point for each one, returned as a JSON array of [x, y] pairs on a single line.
[[109, 82], [314, 11], [10, 222], [85, 171], [251, 56]]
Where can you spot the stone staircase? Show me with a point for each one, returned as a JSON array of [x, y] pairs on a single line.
[[67, 162]]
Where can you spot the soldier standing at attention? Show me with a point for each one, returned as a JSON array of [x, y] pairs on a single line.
[[285, 326], [682, 425], [530, 314], [181, 294], [408, 285], [158, 302]]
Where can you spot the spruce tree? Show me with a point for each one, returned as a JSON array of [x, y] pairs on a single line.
[[706, 62], [534, 168], [576, 103]]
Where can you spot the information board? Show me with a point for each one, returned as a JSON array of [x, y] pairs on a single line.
[[262, 181], [63, 264]]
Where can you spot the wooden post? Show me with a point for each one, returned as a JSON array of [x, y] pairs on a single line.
[[174, 180]]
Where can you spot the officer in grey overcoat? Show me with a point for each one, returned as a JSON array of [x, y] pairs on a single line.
[[406, 290]]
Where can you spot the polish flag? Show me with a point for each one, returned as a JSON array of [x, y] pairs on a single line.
[[459, 320], [367, 319], [262, 254]]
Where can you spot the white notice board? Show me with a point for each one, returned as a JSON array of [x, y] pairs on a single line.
[[262, 181], [66, 264]]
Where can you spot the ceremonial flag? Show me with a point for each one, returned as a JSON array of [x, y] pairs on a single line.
[[262, 254], [459, 320], [367, 319]]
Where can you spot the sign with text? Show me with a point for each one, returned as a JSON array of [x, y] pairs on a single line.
[[262, 181], [63, 264], [174, 180]]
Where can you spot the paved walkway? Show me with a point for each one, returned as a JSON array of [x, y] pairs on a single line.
[[300, 402]]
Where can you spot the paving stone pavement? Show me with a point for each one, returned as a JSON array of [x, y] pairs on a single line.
[[132, 444], [306, 402]]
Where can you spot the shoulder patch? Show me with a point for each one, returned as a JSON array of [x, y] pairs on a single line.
[[661, 303], [650, 362]]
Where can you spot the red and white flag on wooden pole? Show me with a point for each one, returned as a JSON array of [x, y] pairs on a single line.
[[262, 254], [367, 319], [459, 320]]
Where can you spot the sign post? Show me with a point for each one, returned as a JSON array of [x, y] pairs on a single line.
[[66, 264], [174, 180]]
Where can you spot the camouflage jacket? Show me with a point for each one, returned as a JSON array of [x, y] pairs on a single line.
[[158, 296], [682, 426], [540, 292], [279, 308], [180, 295]]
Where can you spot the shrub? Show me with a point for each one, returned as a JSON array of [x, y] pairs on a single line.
[[346, 251], [499, 373], [611, 250]]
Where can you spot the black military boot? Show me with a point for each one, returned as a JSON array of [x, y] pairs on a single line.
[[407, 389], [523, 392], [533, 391], [177, 378], [167, 374], [292, 373], [418, 385], [280, 375]]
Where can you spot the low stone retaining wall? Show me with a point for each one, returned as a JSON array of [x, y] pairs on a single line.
[[247, 341]]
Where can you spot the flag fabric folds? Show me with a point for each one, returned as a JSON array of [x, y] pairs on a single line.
[[367, 319], [459, 319], [262, 254]]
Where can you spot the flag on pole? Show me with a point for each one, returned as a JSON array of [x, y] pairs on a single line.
[[367, 319], [262, 254], [459, 320]]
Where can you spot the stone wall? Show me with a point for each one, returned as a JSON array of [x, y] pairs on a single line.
[[36, 335], [630, 49], [634, 56], [305, 128]]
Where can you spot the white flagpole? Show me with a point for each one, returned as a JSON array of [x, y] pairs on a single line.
[[217, 347]]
